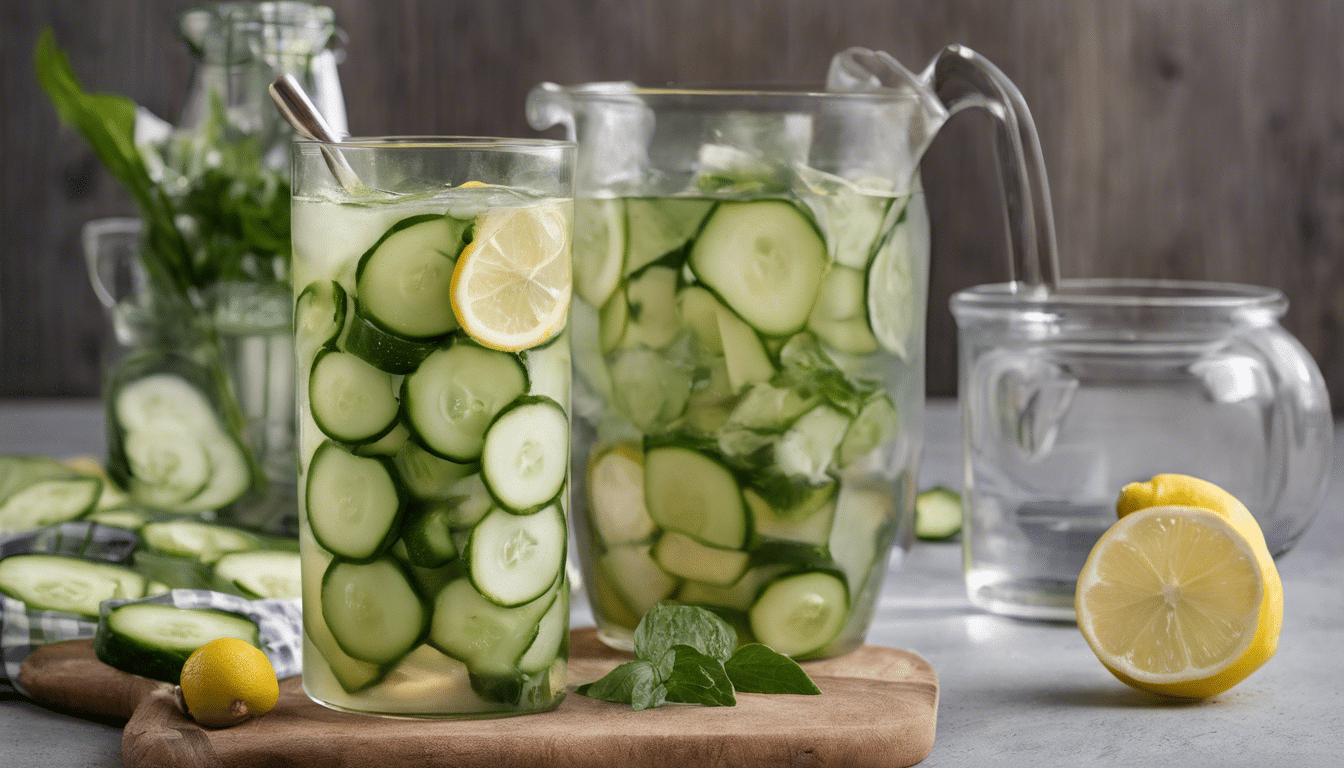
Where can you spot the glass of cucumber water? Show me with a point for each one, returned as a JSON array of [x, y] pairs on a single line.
[[432, 297]]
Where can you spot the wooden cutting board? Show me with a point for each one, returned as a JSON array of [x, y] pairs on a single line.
[[878, 708]]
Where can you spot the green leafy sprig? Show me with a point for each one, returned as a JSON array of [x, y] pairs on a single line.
[[688, 655]]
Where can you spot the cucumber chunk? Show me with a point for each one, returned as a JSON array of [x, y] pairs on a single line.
[[616, 497], [319, 315], [354, 507], [489, 638], [680, 555], [372, 610], [261, 574], [427, 534], [937, 514], [745, 355], [800, 613], [654, 319], [765, 259], [700, 312], [450, 400], [738, 596], [427, 476], [402, 281], [840, 317], [385, 351], [808, 447], [154, 640], [689, 492], [552, 636], [516, 558], [526, 454], [351, 401], [890, 295], [68, 584], [808, 521], [873, 428]]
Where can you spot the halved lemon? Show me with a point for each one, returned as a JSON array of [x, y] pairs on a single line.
[[1174, 600], [511, 285]]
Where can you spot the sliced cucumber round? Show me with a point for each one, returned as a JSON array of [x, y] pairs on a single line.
[[319, 314], [402, 281], [48, 501], [800, 613], [427, 535], [427, 476], [489, 638], [889, 289], [874, 427], [372, 610], [354, 506], [616, 497], [689, 492], [205, 542], [385, 351], [351, 401], [526, 454], [937, 514], [552, 636], [68, 584], [450, 400], [680, 555], [168, 466], [765, 259], [261, 574], [514, 559], [839, 317], [154, 640]]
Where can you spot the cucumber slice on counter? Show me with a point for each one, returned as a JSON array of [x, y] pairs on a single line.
[[800, 613], [351, 401], [68, 584], [525, 458], [599, 247], [450, 400], [764, 259], [130, 518], [154, 640], [204, 542], [261, 574], [937, 514], [489, 638], [354, 506], [689, 492], [516, 558], [402, 281], [372, 610], [35, 492]]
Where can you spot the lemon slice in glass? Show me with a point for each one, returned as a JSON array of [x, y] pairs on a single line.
[[511, 286], [1170, 600]]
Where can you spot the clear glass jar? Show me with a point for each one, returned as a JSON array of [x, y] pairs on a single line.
[[1068, 395]]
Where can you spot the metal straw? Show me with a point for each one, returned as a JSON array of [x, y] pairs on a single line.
[[301, 113]]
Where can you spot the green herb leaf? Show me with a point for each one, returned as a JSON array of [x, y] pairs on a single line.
[[635, 683], [667, 625], [698, 679], [756, 668]]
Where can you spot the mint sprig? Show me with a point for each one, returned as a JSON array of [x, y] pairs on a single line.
[[689, 655]]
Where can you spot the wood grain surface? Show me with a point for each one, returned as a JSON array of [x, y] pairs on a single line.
[[878, 708], [1184, 139]]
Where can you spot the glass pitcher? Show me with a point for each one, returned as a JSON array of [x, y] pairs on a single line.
[[224, 169], [750, 277]]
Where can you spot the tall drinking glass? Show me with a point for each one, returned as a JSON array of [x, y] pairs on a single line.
[[432, 300]]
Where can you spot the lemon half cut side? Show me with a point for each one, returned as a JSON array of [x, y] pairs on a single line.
[[1171, 600], [511, 285]]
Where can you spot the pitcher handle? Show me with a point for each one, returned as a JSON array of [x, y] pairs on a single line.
[[962, 79], [111, 252]]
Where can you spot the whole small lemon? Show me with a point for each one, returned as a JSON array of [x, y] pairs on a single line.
[[227, 681], [1172, 493]]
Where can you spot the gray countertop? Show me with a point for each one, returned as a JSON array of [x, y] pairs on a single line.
[[1013, 692]]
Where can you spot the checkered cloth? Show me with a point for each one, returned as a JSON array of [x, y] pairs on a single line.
[[279, 622]]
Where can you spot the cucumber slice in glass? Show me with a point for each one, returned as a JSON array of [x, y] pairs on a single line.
[[525, 458], [354, 506], [372, 610], [689, 492], [800, 613], [599, 247], [351, 401], [402, 281], [450, 400], [514, 559]]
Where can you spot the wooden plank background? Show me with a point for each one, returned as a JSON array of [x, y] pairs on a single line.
[[1189, 138]]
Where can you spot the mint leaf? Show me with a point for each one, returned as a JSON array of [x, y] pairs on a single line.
[[757, 668], [636, 683], [667, 625], [698, 679]]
